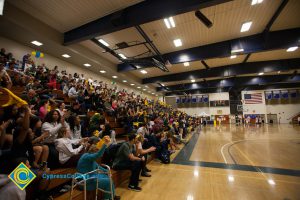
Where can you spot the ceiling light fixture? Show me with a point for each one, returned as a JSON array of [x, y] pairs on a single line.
[[237, 50], [103, 42], [169, 22], [292, 49], [271, 182], [230, 178], [193, 80], [278, 72], [186, 64], [138, 87], [122, 56], [124, 81], [114, 76], [261, 73], [144, 89], [233, 56], [37, 43], [146, 86], [132, 84], [246, 26], [162, 85], [66, 56], [87, 65], [177, 42], [254, 2], [203, 19], [152, 93], [102, 71], [144, 72]]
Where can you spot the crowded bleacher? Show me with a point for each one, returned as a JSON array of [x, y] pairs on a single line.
[[56, 122]]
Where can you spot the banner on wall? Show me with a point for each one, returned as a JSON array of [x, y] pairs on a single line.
[[276, 94], [269, 95], [284, 94], [194, 99]]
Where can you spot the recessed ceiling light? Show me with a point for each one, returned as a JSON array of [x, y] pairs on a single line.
[[146, 86], [233, 56], [169, 22], [261, 73], [292, 49], [37, 43], [124, 81], [186, 64], [246, 26], [271, 182], [144, 72], [152, 93], [177, 42], [230, 178], [138, 87], [103, 42], [279, 72], [132, 84], [102, 71], [256, 2], [122, 56], [114, 76], [66, 56], [87, 65], [193, 80], [237, 50], [144, 89], [156, 95], [162, 84]]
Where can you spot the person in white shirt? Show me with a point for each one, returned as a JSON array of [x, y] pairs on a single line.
[[73, 92], [52, 123], [68, 155]]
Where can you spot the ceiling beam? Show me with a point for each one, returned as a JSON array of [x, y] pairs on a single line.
[[229, 70], [250, 44], [226, 89], [234, 82], [134, 15], [276, 14]]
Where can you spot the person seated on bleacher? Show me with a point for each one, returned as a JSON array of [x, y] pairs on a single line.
[[43, 109], [52, 123], [75, 126], [72, 93], [88, 163], [126, 160], [139, 151], [40, 150], [108, 131], [68, 155], [5, 80]]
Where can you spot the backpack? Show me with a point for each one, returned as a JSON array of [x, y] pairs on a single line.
[[110, 154]]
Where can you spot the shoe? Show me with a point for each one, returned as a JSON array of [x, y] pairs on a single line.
[[117, 197], [145, 174], [147, 170], [134, 188]]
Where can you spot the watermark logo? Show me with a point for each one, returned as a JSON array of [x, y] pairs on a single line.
[[22, 176]]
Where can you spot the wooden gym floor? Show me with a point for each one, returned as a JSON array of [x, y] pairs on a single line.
[[228, 162]]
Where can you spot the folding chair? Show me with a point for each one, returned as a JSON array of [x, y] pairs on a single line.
[[81, 179]]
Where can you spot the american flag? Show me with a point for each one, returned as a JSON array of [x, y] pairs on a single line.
[[254, 98]]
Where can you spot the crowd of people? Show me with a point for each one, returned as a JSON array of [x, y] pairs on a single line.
[[46, 133]]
